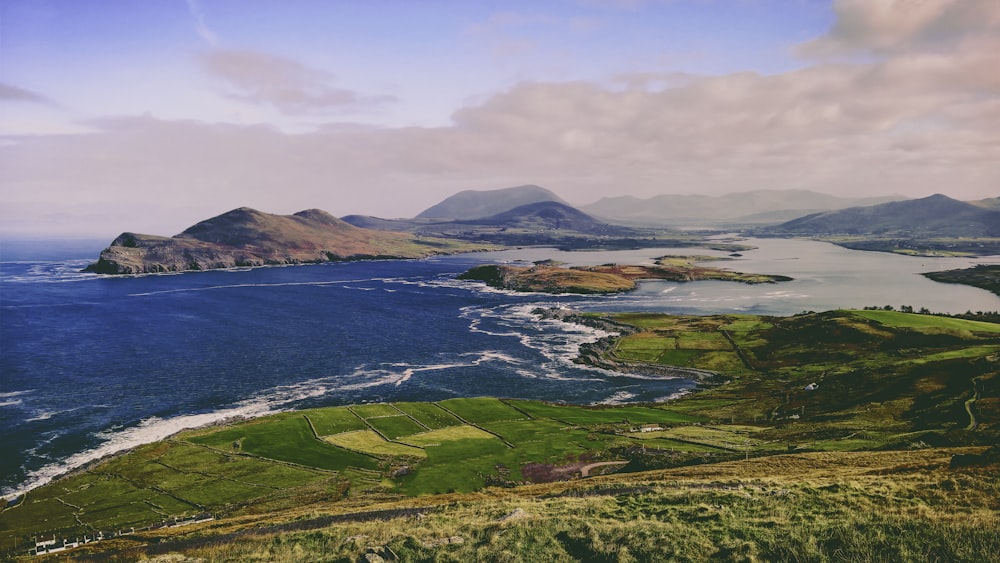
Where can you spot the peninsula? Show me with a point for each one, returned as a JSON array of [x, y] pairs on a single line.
[[246, 237], [607, 278]]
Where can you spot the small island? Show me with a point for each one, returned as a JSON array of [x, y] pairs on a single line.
[[545, 277]]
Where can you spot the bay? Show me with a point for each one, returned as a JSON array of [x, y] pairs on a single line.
[[92, 365]]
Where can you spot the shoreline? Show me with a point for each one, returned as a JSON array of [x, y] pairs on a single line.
[[588, 354]]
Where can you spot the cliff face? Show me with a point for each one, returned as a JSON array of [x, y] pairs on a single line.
[[246, 237]]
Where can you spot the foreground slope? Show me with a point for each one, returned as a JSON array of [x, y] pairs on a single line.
[[247, 237]]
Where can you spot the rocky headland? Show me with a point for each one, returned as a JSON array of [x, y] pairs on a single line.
[[246, 237]]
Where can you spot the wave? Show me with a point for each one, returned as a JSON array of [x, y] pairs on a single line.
[[558, 342], [618, 398], [13, 398], [46, 272]]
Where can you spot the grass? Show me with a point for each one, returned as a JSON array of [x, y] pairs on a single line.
[[374, 410], [482, 409], [596, 415], [288, 439], [335, 420], [933, 322], [367, 441], [393, 427], [429, 414], [448, 434], [877, 506]]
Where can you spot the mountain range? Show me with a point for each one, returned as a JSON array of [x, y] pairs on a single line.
[[247, 237], [933, 216], [744, 208]]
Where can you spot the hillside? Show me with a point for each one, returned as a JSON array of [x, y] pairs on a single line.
[[247, 237], [753, 207], [936, 215], [474, 204]]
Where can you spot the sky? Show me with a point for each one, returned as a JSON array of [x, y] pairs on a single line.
[[148, 116]]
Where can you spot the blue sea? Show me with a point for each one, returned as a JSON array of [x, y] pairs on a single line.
[[91, 365]]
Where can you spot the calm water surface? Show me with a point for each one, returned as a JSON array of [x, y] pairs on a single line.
[[90, 365]]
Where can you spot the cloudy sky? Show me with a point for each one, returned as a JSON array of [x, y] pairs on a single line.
[[149, 116]]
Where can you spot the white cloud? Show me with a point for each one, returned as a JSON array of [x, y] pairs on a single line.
[[896, 26], [283, 83], [200, 24], [920, 118]]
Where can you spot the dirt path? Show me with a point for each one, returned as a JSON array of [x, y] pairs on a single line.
[[585, 470], [976, 389]]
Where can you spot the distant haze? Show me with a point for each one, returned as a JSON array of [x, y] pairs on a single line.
[[150, 116]]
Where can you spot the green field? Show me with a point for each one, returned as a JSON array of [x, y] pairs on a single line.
[[368, 442], [334, 420], [933, 322], [480, 410], [429, 414]]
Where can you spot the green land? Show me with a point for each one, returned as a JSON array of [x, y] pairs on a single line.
[[982, 276], [827, 436]]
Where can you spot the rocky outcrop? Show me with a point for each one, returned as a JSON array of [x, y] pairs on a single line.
[[599, 353], [548, 279], [245, 237]]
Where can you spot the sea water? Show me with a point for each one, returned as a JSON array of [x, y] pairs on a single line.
[[91, 365]]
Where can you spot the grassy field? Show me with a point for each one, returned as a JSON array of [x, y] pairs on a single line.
[[828, 440]]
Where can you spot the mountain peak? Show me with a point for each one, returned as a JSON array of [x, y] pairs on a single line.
[[475, 204]]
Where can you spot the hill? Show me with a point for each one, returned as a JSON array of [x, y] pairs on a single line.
[[748, 208], [936, 215], [988, 203], [247, 237], [474, 204], [547, 215]]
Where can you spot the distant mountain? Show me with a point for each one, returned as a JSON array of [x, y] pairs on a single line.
[[934, 216], [473, 204], [247, 237], [546, 215], [753, 207], [988, 203], [370, 222]]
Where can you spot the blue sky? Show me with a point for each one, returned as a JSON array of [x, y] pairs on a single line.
[[149, 116]]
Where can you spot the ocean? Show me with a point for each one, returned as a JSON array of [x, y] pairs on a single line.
[[91, 365]]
